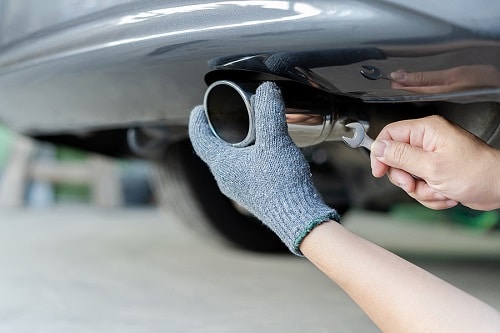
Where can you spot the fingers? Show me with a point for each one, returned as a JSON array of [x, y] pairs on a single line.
[[419, 190], [453, 163], [204, 142], [270, 120], [433, 82], [419, 79], [402, 179], [410, 145], [408, 148], [399, 155]]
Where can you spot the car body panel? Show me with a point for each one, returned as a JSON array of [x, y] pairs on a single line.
[[95, 65]]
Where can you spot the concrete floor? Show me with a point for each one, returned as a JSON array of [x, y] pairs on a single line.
[[91, 270]]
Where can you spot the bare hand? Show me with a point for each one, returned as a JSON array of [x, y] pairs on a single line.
[[454, 165]]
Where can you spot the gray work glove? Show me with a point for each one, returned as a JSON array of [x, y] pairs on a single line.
[[270, 178]]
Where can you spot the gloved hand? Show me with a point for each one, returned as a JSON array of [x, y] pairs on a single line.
[[270, 178]]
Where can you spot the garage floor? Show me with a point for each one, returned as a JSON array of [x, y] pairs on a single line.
[[77, 269]]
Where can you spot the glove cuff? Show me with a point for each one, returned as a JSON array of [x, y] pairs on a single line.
[[298, 220], [332, 216]]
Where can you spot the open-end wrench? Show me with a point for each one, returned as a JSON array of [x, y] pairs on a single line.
[[360, 138]]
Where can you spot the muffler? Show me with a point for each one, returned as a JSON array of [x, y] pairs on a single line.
[[313, 116]]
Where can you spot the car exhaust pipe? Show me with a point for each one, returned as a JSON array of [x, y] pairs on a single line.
[[313, 116]]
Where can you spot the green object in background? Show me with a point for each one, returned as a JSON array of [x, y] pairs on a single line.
[[5, 142], [71, 193], [459, 215], [475, 219]]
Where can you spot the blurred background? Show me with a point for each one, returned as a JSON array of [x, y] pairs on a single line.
[[37, 175], [84, 248]]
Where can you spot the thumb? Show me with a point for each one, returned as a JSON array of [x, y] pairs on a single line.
[[270, 120], [401, 156]]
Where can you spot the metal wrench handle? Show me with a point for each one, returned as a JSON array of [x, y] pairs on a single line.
[[367, 142]]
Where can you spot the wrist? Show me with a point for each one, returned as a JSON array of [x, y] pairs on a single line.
[[331, 217], [496, 178], [292, 221]]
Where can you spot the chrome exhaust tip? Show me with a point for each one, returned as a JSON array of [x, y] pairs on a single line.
[[229, 113], [311, 114]]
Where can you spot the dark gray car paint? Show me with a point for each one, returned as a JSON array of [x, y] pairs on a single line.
[[73, 66]]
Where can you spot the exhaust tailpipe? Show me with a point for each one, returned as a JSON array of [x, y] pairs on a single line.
[[311, 114]]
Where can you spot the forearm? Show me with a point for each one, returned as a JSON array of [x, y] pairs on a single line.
[[397, 295]]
